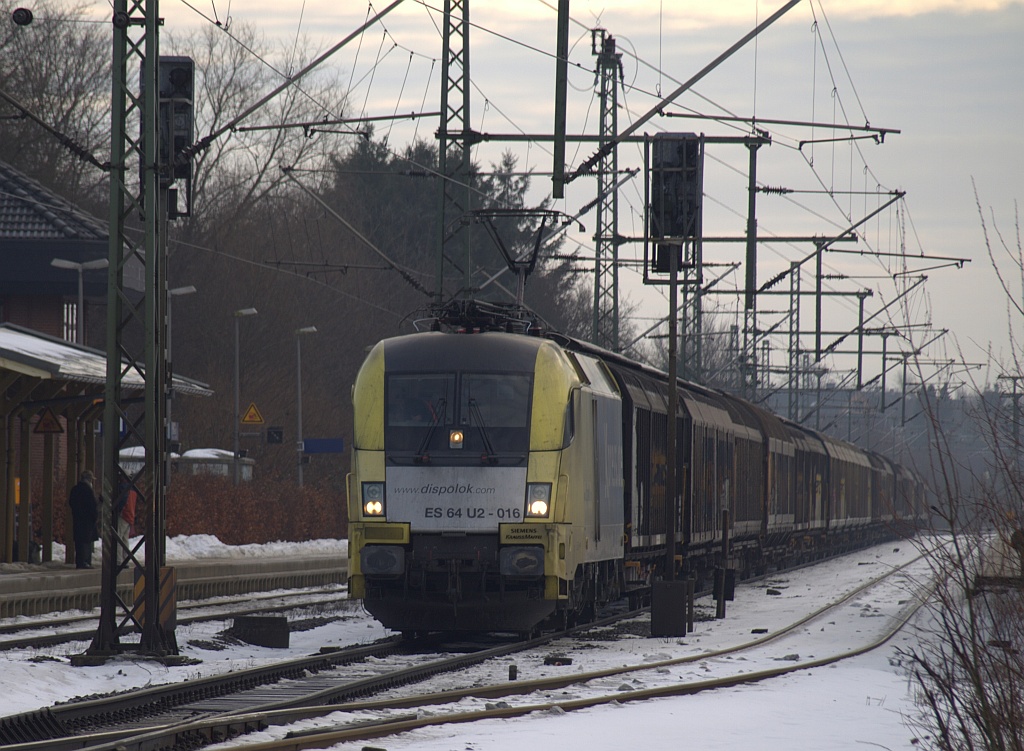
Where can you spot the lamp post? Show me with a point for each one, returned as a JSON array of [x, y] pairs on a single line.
[[298, 392], [99, 263], [239, 314], [171, 294]]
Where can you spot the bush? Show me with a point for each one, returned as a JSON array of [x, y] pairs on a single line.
[[254, 512]]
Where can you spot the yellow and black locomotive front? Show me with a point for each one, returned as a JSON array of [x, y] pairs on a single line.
[[447, 512]]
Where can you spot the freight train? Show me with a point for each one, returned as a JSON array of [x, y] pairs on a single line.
[[506, 481]]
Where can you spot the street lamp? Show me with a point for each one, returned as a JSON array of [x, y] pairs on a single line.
[[298, 392], [99, 263], [239, 314], [171, 294]]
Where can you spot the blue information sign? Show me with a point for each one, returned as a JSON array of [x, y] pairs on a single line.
[[323, 445]]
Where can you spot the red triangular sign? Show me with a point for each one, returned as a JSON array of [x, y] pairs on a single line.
[[252, 415], [48, 423]]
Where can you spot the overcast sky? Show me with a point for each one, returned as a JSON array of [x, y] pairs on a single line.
[[946, 74]]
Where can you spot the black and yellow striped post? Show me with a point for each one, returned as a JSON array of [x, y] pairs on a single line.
[[167, 617]]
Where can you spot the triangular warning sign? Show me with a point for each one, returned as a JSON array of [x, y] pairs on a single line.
[[48, 423], [252, 415]]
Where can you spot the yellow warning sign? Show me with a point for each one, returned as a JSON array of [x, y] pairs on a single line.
[[48, 423], [252, 415]]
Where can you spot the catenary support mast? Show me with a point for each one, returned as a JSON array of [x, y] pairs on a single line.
[[136, 336], [606, 239], [454, 127]]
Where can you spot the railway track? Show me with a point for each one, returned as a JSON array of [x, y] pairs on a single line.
[[593, 688], [163, 717], [491, 688], [61, 629], [53, 590], [390, 716]]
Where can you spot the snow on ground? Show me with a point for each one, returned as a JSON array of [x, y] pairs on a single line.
[[31, 679], [861, 703], [192, 547], [183, 548]]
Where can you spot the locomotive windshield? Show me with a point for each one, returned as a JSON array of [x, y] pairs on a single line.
[[419, 400], [495, 401], [492, 409]]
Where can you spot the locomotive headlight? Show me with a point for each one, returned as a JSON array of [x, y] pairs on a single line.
[[373, 498], [455, 439], [538, 499]]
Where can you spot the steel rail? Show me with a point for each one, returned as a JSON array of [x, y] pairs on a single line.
[[405, 723], [31, 641], [191, 733], [227, 725], [60, 722]]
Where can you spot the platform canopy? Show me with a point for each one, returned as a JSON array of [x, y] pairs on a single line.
[[29, 353], [51, 390]]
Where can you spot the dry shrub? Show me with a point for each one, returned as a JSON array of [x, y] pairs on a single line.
[[253, 512]]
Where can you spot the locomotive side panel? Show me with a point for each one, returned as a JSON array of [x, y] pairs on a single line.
[[605, 510]]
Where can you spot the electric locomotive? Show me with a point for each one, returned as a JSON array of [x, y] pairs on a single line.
[[486, 483]]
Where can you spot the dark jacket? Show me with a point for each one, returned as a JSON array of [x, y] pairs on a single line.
[[84, 511]]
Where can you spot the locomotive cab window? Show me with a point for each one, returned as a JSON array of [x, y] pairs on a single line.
[[420, 400], [569, 419], [494, 401], [476, 414]]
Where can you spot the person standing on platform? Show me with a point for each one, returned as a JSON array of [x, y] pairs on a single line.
[[84, 514], [124, 509]]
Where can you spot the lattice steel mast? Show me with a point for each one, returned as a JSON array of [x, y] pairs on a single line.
[[136, 334], [606, 239], [454, 127]]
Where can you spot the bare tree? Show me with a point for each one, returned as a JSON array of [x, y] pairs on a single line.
[[243, 166], [968, 664], [718, 351], [57, 69]]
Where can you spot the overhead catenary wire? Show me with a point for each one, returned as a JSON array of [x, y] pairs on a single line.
[[901, 221], [832, 193], [67, 141], [489, 101], [405, 273], [591, 161], [492, 103], [775, 136], [398, 99], [207, 140], [373, 69]]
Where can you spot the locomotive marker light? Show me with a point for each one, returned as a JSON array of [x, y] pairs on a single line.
[[373, 498], [538, 499], [455, 439]]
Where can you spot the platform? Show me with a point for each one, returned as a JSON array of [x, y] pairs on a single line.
[[27, 589]]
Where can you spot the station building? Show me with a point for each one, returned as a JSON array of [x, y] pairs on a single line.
[[52, 361]]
